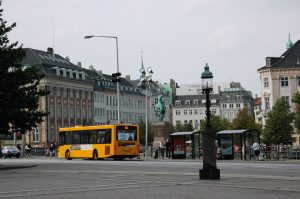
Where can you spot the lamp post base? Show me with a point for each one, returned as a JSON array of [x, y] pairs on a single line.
[[209, 173]]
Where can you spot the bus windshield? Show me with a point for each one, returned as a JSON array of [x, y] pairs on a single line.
[[129, 134]]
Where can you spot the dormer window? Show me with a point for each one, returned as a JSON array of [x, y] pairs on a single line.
[[268, 61], [195, 102], [178, 103]]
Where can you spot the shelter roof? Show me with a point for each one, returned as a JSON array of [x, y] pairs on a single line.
[[232, 131], [183, 133]]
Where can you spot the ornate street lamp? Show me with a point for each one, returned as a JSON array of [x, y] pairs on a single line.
[[145, 79], [209, 170]]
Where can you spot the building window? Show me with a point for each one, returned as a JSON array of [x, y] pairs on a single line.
[[195, 112], [185, 122], [238, 105], [190, 121], [65, 112], [230, 105], [287, 100], [266, 82], [224, 105], [35, 134], [214, 111], [195, 102], [178, 122], [187, 103], [177, 112], [284, 81], [190, 112], [184, 112], [298, 78], [156, 100], [267, 103], [178, 103]]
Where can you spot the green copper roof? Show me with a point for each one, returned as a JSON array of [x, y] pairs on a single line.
[[206, 74], [289, 43]]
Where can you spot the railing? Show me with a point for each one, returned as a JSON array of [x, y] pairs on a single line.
[[279, 152]]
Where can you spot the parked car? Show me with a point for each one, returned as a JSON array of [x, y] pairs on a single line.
[[10, 151]]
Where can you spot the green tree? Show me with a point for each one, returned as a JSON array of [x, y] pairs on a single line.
[[244, 120], [184, 127], [278, 128], [296, 100], [217, 123], [19, 92], [142, 125]]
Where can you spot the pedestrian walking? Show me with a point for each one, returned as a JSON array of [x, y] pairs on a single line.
[[256, 148]]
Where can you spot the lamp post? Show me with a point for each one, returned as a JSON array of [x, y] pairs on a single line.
[[209, 170], [145, 79], [114, 75]]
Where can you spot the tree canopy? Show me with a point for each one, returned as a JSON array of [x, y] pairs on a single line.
[[217, 123], [19, 86], [244, 120], [278, 128], [296, 101], [150, 136]]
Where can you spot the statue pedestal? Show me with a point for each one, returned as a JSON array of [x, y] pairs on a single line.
[[161, 133]]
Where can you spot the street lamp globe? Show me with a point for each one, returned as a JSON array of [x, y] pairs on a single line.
[[207, 78]]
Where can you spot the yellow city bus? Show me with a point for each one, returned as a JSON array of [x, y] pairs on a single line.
[[98, 142]]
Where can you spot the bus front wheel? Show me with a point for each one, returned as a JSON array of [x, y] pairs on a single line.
[[67, 155], [95, 155]]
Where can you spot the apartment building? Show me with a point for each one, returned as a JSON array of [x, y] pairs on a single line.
[[234, 99], [190, 109], [280, 78], [70, 101]]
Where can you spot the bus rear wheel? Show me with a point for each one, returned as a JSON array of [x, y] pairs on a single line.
[[95, 155], [67, 155]]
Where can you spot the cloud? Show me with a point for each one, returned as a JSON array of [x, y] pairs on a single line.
[[226, 37]]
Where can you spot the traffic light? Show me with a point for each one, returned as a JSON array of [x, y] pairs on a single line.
[[115, 77]]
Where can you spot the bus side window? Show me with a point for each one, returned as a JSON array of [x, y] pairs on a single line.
[[93, 139], [85, 137]]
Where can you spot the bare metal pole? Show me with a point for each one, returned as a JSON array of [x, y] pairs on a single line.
[[146, 136], [118, 85]]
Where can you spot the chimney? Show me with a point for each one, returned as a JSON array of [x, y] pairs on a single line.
[[68, 58], [79, 64], [219, 89], [91, 67], [50, 51], [127, 77]]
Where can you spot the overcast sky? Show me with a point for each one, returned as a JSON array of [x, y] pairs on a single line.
[[177, 37]]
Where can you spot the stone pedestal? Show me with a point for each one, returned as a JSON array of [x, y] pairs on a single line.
[[209, 171], [161, 133]]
